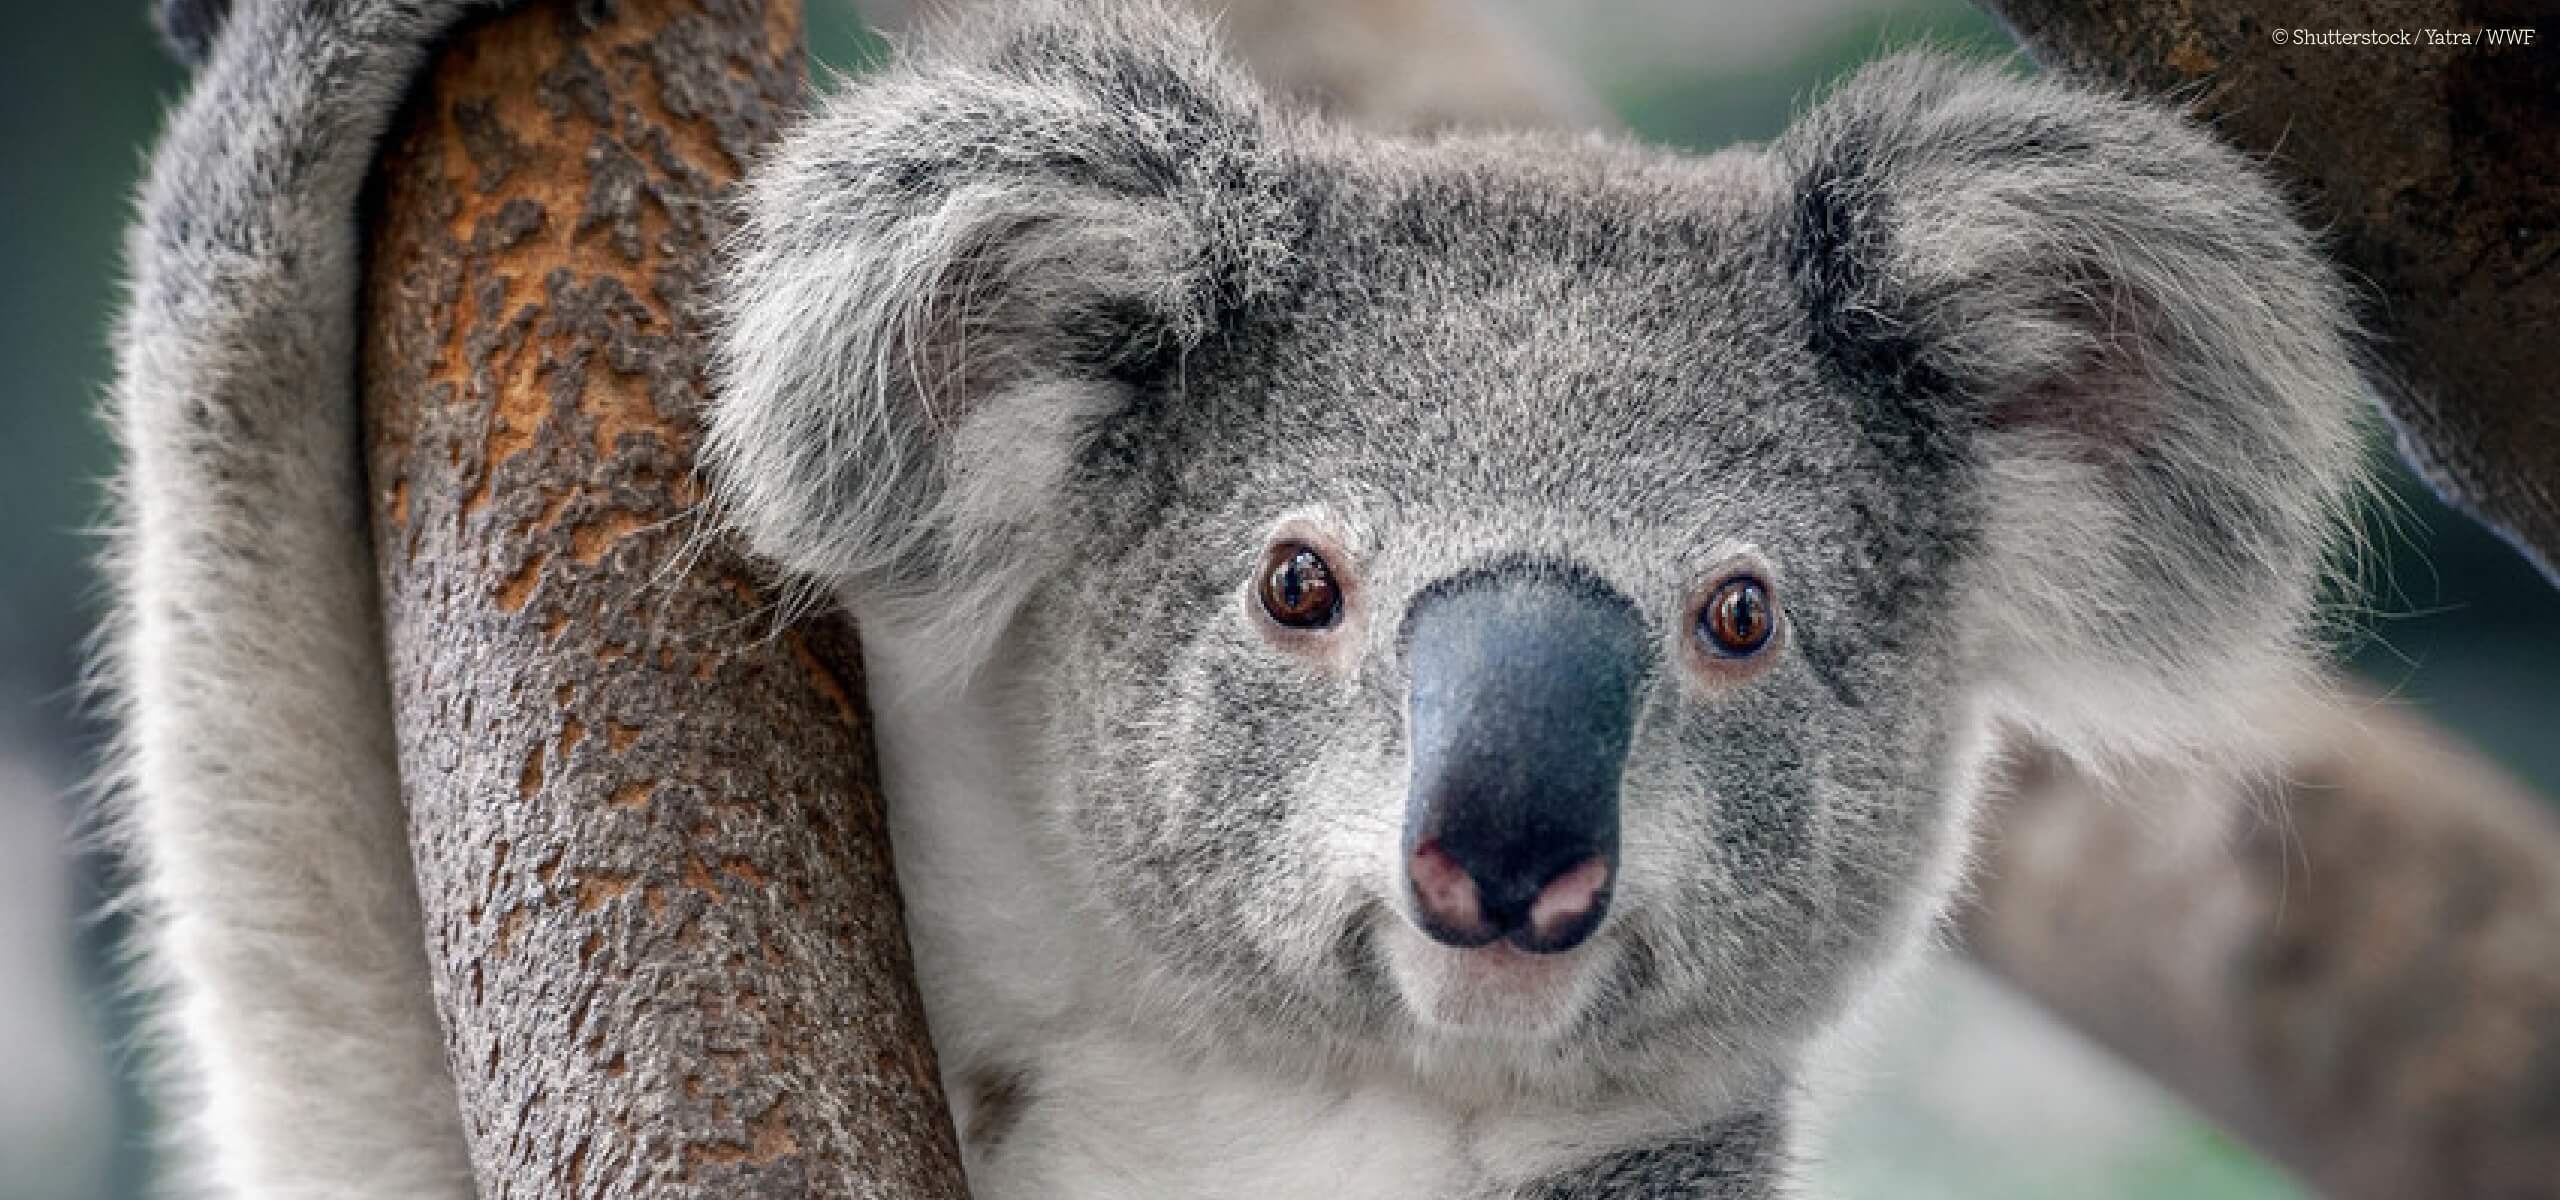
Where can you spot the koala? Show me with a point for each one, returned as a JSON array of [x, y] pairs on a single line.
[[1441, 666]]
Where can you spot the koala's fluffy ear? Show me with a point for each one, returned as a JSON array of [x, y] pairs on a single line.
[[2113, 331], [958, 266]]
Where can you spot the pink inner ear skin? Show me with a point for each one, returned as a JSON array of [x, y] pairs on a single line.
[[2108, 406], [2107, 399]]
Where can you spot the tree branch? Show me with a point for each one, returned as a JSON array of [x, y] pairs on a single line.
[[2356, 966], [669, 953]]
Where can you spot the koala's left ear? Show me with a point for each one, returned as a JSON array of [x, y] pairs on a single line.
[[2110, 330], [956, 269]]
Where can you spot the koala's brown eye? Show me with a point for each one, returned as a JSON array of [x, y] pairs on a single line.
[[1738, 617], [1298, 588]]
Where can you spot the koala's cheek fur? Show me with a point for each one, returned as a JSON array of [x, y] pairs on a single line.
[[1218, 787], [1782, 848]]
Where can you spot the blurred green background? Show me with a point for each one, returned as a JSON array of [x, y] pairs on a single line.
[[1971, 1093]]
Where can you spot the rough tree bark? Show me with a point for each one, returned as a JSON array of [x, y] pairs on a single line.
[[669, 953], [2439, 166]]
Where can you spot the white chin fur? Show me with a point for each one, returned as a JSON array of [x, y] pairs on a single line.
[[1494, 992]]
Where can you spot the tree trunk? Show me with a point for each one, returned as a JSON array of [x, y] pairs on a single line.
[[2438, 170], [669, 954]]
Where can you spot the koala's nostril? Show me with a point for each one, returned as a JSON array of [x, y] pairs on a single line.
[[1460, 907], [1569, 907], [1451, 909]]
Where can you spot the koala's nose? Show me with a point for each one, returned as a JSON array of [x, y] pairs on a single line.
[[1466, 906], [1523, 703]]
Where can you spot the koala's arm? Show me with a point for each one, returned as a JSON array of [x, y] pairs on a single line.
[[255, 785]]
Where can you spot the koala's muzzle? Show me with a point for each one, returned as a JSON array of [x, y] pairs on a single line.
[[1524, 698]]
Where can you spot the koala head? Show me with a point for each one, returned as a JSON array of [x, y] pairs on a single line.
[[1520, 608]]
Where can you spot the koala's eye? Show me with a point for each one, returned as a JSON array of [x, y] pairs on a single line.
[[1738, 617], [1298, 588]]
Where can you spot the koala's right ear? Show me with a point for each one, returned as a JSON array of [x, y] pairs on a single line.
[[948, 275]]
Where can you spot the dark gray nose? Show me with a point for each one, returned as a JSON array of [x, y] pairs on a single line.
[[1524, 697]]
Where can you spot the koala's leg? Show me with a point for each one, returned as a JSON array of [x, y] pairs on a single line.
[[256, 784]]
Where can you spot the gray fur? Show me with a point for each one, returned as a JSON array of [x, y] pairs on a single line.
[[2033, 404]]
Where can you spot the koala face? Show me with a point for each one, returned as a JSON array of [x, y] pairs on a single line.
[[1526, 536], [1525, 610]]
